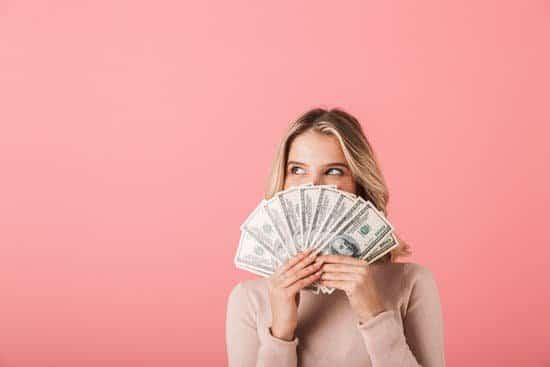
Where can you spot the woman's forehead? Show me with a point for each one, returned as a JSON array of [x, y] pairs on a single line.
[[313, 146]]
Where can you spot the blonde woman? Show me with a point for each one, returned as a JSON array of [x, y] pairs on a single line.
[[383, 314]]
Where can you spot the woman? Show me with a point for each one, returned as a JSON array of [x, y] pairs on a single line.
[[382, 314]]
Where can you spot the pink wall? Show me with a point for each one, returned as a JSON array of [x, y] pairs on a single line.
[[134, 139]]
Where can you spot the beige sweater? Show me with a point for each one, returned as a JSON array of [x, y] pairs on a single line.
[[408, 333]]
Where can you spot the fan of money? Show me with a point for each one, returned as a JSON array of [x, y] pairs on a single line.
[[321, 217]]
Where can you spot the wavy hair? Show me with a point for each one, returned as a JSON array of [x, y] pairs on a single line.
[[359, 155]]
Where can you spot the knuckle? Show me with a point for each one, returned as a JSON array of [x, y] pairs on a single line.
[[313, 267], [291, 279], [300, 274]]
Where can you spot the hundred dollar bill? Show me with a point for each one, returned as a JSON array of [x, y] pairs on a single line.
[[360, 234], [304, 204], [253, 256], [351, 211], [315, 289], [252, 269], [276, 213], [387, 244], [384, 246], [325, 197], [325, 202], [342, 205], [290, 202], [343, 202], [259, 225], [309, 198]]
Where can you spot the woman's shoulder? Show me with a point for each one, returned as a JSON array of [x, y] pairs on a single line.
[[407, 274], [415, 271], [407, 284], [252, 292], [250, 286]]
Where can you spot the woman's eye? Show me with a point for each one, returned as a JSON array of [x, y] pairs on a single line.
[[297, 170], [334, 171]]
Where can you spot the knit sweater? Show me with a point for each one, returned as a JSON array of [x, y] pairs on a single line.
[[408, 333]]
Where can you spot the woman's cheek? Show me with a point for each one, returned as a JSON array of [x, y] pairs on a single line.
[[340, 182], [291, 181], [346, 185]]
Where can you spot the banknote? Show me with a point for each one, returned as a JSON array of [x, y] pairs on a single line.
[[259, 225], [340, 206], [326, 201], [290, 202], [347, 208], [253, 256], [274, 209], [309, 199], [321, 217], [387, 244], [358, 235]]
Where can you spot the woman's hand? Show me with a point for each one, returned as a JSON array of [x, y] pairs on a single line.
[[354, 277], [284, 291]]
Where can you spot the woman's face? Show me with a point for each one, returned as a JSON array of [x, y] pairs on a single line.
[[318, 158]]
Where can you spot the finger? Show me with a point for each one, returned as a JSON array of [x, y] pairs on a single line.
[[338, 284], [300, 261], [301, 273], [341, 259], [304, 282], [343, 268], [293, 261], [340, 276], [300, 265]]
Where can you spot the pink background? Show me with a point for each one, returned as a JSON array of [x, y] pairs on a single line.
[[135, 137]]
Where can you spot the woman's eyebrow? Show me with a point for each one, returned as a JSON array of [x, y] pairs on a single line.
[[337, 164], [295, 162], [342, 164]]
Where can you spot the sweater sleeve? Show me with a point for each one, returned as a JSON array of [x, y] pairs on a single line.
[[418, 341], [249, 344]]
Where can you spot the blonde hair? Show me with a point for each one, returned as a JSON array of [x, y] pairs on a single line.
[[358, 152]]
